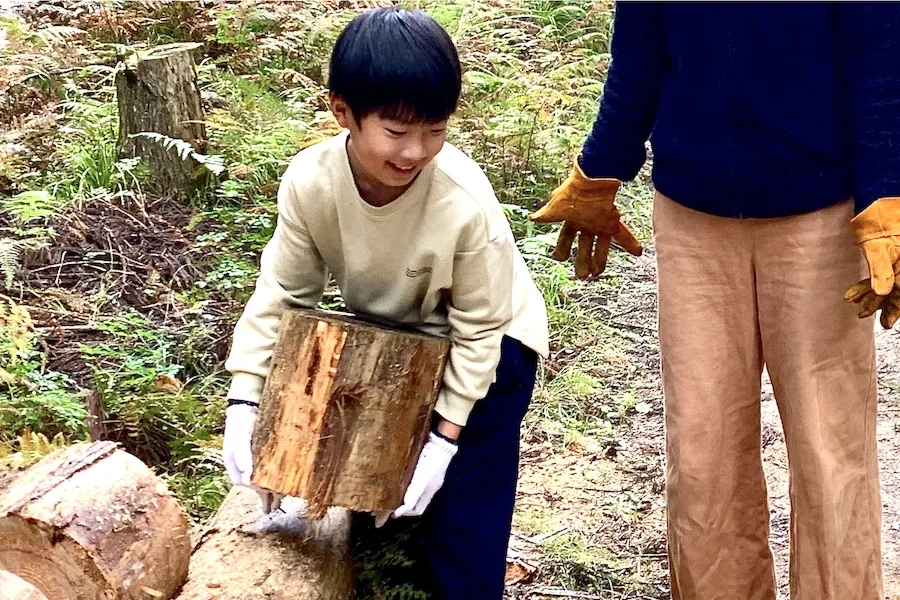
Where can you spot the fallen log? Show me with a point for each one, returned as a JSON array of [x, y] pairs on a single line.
[[344, 415], [345, 411], [91, 522], [14, 588], [246, 555]]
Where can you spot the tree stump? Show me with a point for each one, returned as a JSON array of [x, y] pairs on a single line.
[[91, 522], [345, 411], [158, 93], [245, 555]]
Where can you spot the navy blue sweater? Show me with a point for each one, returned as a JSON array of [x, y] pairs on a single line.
[[753, 110]]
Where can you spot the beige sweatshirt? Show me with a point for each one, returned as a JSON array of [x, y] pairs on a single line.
[[440, 258]]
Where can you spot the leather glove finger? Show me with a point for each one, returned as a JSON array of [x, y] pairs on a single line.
[[557, 209], [855, 292], [564, 242], [584, 256], [881, 267], [869, 304], [890, 312], [601, 254], [626, 239]]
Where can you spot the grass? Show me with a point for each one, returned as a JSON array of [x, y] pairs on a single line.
[[533, 72]]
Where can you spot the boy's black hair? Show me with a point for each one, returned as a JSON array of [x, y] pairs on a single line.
[[398, 63]]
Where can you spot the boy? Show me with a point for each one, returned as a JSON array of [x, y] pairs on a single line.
[[412, 232]]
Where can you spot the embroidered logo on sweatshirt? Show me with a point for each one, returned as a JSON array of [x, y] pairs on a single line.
[[417, 272]]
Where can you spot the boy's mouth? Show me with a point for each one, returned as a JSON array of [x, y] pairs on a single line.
[[402, 170]]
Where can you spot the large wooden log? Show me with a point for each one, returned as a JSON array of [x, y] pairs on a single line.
[[91, 522], [157, 92], [246, 555], [15, 588], [345, 411]]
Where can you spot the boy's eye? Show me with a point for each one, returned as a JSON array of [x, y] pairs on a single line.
[[395, 132], [438, 131]]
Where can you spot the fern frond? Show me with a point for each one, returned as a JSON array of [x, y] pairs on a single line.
[[10, 254], [31, 205], [32, 448], [215, 164], [56, 34]]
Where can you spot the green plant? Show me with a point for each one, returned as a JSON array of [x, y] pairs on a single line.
[[198, 478], [32, 447], [185, 150], [32, 397], [583, 565], [149, 410], [88, 156], [388, 566], [242, 25], [258, 134], [21, 210], [30, 206]]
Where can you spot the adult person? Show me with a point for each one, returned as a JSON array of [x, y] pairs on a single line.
[[774, 130]]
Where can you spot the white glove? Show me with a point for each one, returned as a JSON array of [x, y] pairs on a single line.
[[271, 501], [239, 422], [428, 476]]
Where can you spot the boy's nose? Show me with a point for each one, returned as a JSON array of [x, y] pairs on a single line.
[[414, 151]]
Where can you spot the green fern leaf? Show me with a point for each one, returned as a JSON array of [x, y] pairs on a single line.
[[10, 253], [215, 164]]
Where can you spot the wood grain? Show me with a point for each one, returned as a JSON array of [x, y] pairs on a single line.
[[345, 410]]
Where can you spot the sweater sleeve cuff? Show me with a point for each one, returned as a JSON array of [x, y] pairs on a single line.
[[453, 407], [246, 386]]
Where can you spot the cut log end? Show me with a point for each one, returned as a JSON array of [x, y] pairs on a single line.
[[93, 522], [16, 588]]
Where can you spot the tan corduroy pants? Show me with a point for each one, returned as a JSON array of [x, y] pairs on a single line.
[[734, 295]]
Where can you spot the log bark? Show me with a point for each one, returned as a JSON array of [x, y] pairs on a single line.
[[158, 92], [345, 411], [246, 555], [91, 522]]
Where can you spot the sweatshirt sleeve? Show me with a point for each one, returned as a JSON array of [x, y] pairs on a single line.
[[615, 146], [869, 41], [292, 275], [479, 312]]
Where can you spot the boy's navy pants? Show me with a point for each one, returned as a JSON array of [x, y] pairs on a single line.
[[467, 525]]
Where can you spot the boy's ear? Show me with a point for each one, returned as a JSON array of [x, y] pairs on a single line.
[[341, 111]]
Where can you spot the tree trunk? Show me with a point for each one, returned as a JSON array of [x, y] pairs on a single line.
[[245, 555], [91, 522], [345, 411], [158, 92]]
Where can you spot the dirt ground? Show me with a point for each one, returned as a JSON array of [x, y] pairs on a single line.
[[573, 489]]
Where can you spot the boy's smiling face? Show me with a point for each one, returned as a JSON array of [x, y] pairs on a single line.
[[386, 154]]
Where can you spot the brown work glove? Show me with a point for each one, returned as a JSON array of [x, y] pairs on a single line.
[[869, 302], [877, 231], [586, 206]]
